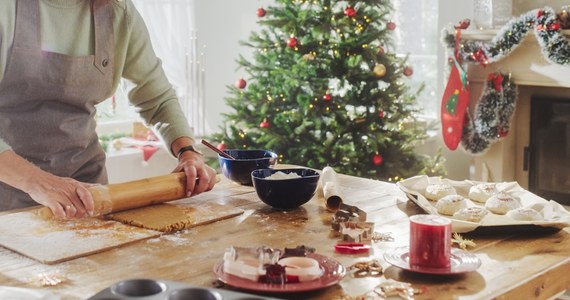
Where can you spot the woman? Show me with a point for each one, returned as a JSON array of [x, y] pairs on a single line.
[[58, 59]]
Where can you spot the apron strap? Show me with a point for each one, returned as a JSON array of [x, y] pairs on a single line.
[[26, 32], [104, 38]]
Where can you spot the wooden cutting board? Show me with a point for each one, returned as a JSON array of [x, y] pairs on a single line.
[[52, 241]]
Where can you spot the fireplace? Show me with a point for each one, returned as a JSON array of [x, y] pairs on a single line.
[[541, 84], [547, 158]]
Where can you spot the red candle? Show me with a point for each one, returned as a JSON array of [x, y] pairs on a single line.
[[430, 241]]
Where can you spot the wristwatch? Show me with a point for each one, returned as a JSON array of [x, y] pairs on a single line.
[[187, 148]]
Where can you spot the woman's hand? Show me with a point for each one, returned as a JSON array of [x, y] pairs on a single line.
[[65, 197], [199, 176]]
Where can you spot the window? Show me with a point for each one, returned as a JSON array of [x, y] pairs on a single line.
[[417, 34], [182, 61]]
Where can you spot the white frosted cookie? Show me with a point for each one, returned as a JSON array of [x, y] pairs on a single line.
[[471, 214], [449, 204], [482, 192], [524, 214], [435, 192], [501, 203]]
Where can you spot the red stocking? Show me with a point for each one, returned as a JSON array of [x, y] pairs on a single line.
[[454, 101], [453, 107]]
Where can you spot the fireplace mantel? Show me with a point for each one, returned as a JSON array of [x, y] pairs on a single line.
[[526, 62], [534, 75]]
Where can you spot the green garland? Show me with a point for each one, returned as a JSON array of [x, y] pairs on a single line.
[[493, 112], [554, 45]]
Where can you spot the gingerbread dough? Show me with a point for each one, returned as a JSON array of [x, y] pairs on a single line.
[[171, 217]]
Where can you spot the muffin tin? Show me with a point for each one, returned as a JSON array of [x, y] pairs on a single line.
[[555, 216], [152, 289]]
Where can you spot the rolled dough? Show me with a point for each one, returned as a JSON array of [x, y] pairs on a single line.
[[171, 217]]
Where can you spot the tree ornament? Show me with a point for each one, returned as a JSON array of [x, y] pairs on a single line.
[[381, 50], [241, 83], [408, 71], [292, 42], [350, 12], [264, 123], [309, 56], [480, 56], [554, 27], [377, 159], [379, 70], [497, 80], [391, 25], [261, 12], [381, 114], [327, 97], [221, 146], [503, 132]]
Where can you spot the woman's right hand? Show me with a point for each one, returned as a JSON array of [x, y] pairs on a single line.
[[65, 197]]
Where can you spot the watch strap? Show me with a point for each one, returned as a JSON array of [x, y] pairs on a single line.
[[187, 148]]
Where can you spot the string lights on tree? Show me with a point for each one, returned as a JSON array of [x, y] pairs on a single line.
[[322, 78]]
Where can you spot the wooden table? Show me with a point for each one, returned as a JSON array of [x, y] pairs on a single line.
[[514, 266]]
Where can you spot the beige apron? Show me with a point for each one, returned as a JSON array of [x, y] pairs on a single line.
[[47, 100]]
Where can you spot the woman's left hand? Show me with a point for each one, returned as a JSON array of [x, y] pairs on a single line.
[[199, 176]]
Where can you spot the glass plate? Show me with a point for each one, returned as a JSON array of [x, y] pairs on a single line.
[[461, 262]]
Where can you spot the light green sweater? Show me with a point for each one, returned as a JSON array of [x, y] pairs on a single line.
[[66, 27]]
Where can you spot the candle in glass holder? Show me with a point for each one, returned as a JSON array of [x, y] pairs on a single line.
[[430, 241]]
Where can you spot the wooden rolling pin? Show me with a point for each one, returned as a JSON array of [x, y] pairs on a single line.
[[133, 194]]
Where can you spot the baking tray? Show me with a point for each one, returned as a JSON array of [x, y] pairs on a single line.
[[555, 215], [156, 289]]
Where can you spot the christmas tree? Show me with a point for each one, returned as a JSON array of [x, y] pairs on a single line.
[[326, 88]]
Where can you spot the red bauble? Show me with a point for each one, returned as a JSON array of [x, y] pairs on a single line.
[[503, 132], [292, 42], [391, 25], [327, 97], [221, 146], [554, 26], [264, 123], [381, 50], [377, 159], [261, 12], [381, 114], [350, 12], [241, 83], [408, 71]]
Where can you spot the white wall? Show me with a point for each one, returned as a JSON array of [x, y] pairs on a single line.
[[221, 25]]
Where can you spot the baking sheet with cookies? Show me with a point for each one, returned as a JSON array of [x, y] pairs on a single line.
[[553, 214]]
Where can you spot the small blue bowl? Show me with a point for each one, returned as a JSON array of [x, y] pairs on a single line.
[[239, 170], [285, 194]]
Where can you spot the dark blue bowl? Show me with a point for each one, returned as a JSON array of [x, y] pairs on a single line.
[[239, 170], [285, 194]]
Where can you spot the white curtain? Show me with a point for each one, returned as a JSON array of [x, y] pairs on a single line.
[[173, 33]]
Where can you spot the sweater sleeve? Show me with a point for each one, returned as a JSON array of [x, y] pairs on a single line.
[[153, 96], [4, 146]]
